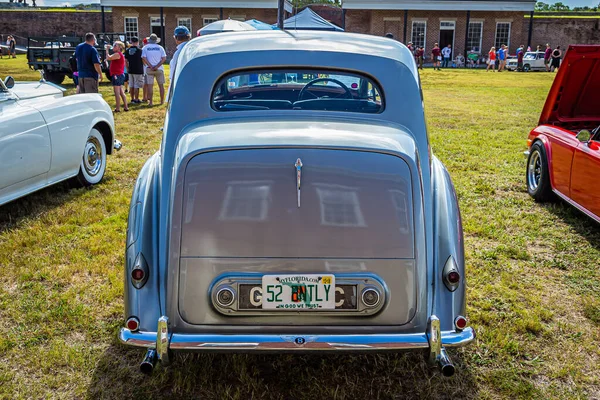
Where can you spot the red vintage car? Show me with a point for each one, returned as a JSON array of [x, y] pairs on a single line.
[[564, 150]]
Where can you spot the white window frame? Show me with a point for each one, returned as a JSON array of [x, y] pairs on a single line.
[[209, 17], [133, 33], [239, 17], [509, 32], [480, 35], [412, 30], [157, 17], [187, 18], [447, 28]]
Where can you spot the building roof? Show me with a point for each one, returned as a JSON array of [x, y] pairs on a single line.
[[197, 3], [441, 5]]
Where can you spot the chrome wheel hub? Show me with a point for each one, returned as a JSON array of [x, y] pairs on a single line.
[[534, 170], [92, 157]]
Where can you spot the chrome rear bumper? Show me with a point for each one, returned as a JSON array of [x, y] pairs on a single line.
[[290, 343]]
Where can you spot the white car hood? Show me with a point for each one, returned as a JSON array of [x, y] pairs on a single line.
[[31, 90]]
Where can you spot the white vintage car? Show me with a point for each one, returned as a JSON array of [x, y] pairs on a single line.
[[532, 61], [46, 138]]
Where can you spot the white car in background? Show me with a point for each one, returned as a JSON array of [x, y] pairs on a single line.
[[532, 61], [46, 138]]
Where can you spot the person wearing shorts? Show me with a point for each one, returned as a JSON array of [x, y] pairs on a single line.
[[491, 59], [135, 67], [154, 56], [117, 74]]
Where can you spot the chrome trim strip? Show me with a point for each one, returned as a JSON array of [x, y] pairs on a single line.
[[308, 342], [577, 206]]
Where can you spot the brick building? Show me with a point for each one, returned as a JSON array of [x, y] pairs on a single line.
[[143, 17], [490, 22]]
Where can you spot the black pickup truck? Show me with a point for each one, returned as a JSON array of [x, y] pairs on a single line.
[[53, 54]]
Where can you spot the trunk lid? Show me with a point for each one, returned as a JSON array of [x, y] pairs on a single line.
[[360, 215]]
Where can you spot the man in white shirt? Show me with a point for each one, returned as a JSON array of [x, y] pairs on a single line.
[[182, 37], [154, 56], [446, 53]]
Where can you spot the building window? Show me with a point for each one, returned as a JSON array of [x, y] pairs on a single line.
[[502, 34], [209, 20], [131, 28], [246, 201], [155, 27], [419, 30], [241, 18], [474, 37], [447, 25], [185, 21], [340, 206]]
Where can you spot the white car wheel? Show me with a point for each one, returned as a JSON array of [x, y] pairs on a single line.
[[93, 162]]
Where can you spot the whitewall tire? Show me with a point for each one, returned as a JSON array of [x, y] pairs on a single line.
[[93, 161]]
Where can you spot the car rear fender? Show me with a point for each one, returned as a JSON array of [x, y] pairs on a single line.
[[142, 234], [448, 242]]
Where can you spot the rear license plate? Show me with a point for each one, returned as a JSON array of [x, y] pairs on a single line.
[[298, 292]]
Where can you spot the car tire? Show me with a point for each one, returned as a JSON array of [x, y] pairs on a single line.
[[93, 161], [526, 68], [537, 174], [55, 77]]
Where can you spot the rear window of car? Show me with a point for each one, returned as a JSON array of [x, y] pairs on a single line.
[[301, 89]]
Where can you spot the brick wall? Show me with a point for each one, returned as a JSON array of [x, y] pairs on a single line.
[[380, 22], [564, 31], [31, 23], [171, 16]]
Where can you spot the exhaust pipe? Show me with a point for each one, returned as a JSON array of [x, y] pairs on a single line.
[[147, 366], [444, 363]]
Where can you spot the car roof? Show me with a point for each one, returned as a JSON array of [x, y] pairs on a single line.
[[256, 41]]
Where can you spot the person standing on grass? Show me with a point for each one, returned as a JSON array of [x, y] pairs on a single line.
[[547, 55], [556, 55], [73, 65], [154, 56], [182, 36], [436, 56], [447, 53], [491, 59], [520, 54], [420, 52], [88, 65], [501, 58], [12, 46], [135, 67], [117, 74]]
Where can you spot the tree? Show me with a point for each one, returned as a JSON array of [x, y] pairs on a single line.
[[541, 6], [304, 3]]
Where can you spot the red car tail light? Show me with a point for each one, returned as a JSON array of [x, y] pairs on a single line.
[[139, 273], [451, 275], [460, 323], [133, 324]]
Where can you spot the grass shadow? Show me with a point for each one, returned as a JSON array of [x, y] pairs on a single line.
[[34, 204], [581, 223], [279, 376]]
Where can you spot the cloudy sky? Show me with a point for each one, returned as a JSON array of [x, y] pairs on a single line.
[[571, 3]]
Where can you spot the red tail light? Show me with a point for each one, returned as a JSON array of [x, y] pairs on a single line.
[[460, 323], [454, 277], [133, 324], [137, 274]]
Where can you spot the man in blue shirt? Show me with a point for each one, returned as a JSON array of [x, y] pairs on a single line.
[[501, 58], [88, 65]]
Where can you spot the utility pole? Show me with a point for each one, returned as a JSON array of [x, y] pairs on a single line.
[[280, 13]]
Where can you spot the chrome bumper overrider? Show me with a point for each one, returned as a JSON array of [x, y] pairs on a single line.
[[375, 342], [526, 153]]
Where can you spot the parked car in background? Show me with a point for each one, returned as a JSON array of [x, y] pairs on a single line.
[[295, 205], [532, 61], [564, 150], [45, 138]]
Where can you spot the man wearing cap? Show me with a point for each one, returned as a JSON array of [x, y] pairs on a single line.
[[135, 68], [154, 56], [182, 36]]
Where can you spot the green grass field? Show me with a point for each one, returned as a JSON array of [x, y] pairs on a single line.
[[533, 277]]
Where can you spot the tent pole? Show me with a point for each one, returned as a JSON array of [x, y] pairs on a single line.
[[280, 13]]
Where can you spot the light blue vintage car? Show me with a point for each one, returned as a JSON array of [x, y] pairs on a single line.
[[295, 205]]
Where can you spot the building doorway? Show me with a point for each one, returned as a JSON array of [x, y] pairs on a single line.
[[447, 34], [155, 27]]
